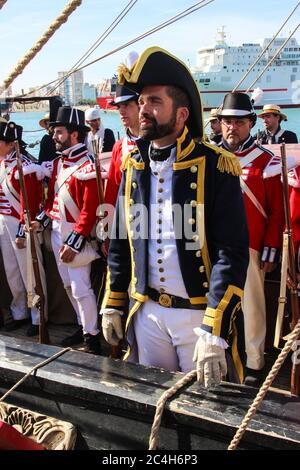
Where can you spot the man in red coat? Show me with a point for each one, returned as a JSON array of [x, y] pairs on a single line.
[[265, 215], [294, 182], [12, 234], [126, 101], [71, 207]]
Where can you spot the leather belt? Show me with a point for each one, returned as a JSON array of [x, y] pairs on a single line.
[[168, 300]]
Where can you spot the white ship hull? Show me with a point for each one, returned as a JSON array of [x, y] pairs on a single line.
[[221, 67]]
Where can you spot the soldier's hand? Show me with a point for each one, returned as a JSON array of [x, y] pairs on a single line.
[[35, 226], [112, 327], [210, 363], [267, 267], [20, 242], [66, 254]]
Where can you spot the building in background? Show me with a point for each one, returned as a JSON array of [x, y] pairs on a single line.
[[89, 92], [71, 88]]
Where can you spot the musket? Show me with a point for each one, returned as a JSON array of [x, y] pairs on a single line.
[[40, 301], [295, 378], [115, 350]]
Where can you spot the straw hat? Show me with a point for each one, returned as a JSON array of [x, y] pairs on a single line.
[[272, 109], [213, 114], [42, 122]]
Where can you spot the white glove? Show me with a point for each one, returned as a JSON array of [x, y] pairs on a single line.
[[112, 327], [211, 363]]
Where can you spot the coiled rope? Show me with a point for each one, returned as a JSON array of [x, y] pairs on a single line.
[[265, 387], [62, 18]]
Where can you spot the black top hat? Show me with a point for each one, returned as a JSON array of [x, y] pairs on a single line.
[[156, 66], [10, 131], [237, 105], [123, 94], [69, 116]]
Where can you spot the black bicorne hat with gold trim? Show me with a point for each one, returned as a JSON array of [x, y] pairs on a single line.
[[156, 66]]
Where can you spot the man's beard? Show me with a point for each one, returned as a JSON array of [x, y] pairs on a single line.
[[61, 146], [157, 131]]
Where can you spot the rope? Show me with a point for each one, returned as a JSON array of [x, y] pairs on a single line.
[[161, 404], [163, 25], [273, 58], [38, 366], [62, 18], [265, 387], [265, 49], [96, 44]]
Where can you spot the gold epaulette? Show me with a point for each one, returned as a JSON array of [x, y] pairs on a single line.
[[227, 161], [125, 159]]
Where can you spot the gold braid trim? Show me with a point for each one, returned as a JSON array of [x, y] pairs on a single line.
[[124, 74], [126, 158], [227, 161]]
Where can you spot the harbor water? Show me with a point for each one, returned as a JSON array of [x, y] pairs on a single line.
[[32, 132]]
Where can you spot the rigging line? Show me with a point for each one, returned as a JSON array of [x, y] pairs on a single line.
[[35, 49], [266, 48], [163, 25], [272, 59], [96, 44]]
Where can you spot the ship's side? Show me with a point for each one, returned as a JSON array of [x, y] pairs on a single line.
[[220, 68]]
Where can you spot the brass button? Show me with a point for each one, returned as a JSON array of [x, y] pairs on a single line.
[[131, 217], [159, 200], [135, 280], [134, 185], [161, 270], [202, 269], [159, 251], [193, 186], [162, 289], [131, 233], [205, 284], [195, 238], [160, 190], [159, 221], [131, 202], [206, 294], [193, 203], [191, 221], [161, 180], [198, 254], [159, 261], [162, 279], [158, 241], [193, 169], [158, 230]]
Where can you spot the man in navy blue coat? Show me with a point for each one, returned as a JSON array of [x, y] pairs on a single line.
[[180, 238]]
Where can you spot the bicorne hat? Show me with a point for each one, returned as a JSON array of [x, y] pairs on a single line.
[[156, 66], [10, 131], [237, 105], [69, 116], [124, 94]]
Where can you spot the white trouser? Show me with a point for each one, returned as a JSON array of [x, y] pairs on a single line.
[[165, 336], [254, 308], [15, 265], [77, 282]]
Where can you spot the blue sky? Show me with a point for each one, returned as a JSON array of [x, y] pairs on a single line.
[[22, 22]]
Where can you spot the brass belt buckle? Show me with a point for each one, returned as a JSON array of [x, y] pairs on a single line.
[[165, 300]]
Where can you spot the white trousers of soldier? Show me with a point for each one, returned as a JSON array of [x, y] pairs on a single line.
[[15, 265], [165, 337], [77, 283], [254, 308]]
